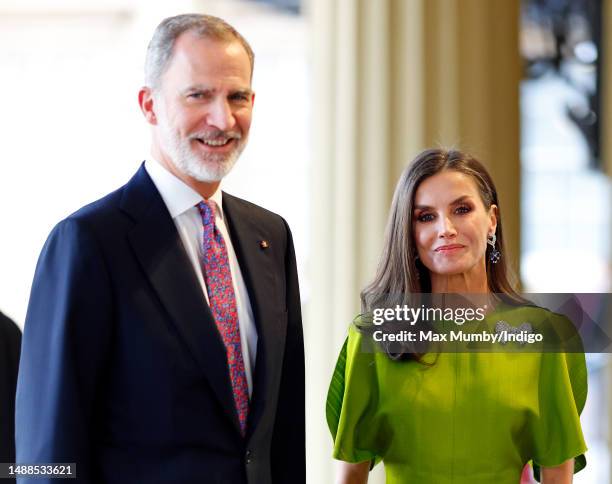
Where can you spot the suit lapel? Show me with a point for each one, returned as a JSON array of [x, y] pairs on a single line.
[[259, 272], [160, 252]]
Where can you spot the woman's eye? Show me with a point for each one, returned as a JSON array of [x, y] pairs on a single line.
[[425, 217], [463, 209]]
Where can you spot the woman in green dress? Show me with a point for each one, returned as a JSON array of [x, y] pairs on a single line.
[[454, 417]]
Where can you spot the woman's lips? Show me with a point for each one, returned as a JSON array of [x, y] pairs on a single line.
[[449, 248]]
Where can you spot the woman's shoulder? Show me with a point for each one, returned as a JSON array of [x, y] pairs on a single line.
[[360, 333], [559, 332], [359, 343], [537, 314]]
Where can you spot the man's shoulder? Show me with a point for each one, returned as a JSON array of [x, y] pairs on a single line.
[[99, 220], [257, 212], [102, 211], [113, 212], [133, 197]]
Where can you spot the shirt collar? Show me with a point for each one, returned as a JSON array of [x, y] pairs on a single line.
[[176, 194]]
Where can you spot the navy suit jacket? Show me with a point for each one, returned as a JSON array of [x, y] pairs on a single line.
[[123, 370]]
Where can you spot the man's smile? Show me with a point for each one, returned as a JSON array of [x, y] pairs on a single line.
[[217, 144]]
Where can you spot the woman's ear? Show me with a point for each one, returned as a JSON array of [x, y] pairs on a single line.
[[492, 219]]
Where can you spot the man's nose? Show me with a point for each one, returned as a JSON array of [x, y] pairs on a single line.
[[446, 228], [220, 115]]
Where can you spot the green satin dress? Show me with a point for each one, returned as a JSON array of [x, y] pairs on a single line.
[[467, 418]]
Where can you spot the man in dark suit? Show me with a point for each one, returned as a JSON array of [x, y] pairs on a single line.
[[163, 341], [10, 345]]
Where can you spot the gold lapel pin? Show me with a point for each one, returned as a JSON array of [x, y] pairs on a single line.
[[264, 244]]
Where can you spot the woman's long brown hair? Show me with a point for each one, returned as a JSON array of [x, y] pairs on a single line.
[[399, 271]]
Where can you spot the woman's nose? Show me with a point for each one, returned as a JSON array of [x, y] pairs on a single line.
[[446, 229]]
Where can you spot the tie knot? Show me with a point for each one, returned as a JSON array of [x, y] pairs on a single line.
[[207, 211]]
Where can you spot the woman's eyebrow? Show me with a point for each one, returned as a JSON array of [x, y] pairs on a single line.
[[462, 198]]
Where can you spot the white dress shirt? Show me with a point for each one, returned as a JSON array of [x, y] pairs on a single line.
[[181, 201]]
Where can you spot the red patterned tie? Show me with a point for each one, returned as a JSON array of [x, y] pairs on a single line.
[[222, 301]]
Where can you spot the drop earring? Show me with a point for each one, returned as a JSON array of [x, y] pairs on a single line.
[[495, 254]]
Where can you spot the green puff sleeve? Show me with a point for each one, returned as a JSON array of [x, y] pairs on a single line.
[[562, 395], [352, 403]]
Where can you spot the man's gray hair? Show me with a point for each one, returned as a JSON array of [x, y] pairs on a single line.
[[159, 52]]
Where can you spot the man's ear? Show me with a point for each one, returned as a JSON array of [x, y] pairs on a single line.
[[145, 101], [253, 99]]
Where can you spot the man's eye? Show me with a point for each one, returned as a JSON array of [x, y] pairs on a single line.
[[240, 97], [196, 95]]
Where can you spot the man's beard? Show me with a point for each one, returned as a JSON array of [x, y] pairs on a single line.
[[204, 167]]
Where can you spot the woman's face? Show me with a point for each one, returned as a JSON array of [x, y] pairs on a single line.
[[451, 223]]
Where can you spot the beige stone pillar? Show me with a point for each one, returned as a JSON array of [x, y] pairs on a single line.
[[473, 69], [363, 100]]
